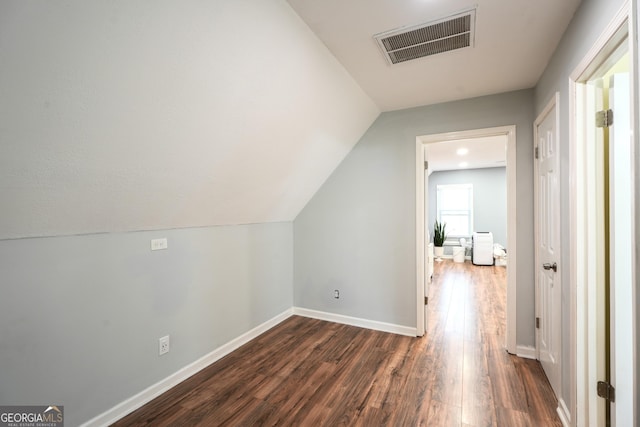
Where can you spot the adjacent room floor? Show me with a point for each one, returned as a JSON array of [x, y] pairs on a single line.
[[307, 372]]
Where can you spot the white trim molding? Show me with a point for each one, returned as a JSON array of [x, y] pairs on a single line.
[[145, 396], [526, 352], [355, 321], [563, 413]]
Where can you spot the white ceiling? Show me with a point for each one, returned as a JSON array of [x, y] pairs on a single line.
[[487, 152], [514, 41]]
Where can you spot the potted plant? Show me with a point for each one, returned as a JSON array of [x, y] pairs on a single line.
[[439, 236]]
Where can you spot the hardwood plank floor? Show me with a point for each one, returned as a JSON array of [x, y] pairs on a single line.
[[306, 372]]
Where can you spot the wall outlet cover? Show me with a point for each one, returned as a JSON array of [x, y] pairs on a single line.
[[163, 345]]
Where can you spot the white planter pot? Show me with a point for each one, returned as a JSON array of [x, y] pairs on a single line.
[[438, 251]]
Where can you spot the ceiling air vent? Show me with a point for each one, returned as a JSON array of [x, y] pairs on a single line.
[[443, 35]]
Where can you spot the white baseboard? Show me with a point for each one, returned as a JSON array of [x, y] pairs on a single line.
[[564, 413], [526, 352], [466, 257], [356, 321], [145, 396]]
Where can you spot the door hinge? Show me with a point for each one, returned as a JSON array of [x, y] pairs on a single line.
[[604, 118], [537, 323], [606, 391], [426, 300], [426, 165], [537, 153]]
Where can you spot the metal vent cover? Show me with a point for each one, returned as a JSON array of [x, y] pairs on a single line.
[[407, 43]]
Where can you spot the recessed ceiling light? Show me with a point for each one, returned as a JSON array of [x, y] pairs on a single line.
[[463, 164], [462, 151]]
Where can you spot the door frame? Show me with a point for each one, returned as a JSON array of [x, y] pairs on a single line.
[[582, 232], [553, 104], [421, 141]]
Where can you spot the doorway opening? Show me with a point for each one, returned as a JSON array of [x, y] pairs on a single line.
[[422, 238], [603, 221]]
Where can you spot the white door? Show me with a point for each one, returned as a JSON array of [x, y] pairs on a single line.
[[621, 217], [547, 211]]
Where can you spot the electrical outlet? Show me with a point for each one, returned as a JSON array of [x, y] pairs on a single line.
[[157, 244], [336, 294], [163, 345]]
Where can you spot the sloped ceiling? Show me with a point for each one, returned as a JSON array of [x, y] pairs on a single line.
[[134, 115], [514, 40]]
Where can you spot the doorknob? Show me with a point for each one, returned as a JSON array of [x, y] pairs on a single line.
[[548, 266]]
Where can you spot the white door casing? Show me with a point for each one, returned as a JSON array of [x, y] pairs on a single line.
[[547, 237], [421, 141]]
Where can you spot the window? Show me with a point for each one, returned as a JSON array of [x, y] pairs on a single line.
[[454, 206]]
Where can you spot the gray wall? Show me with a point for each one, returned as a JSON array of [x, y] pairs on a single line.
[[489, 198], [80, 316], [358, 232], [589, 22]]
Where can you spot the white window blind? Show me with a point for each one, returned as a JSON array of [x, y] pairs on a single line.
[[454, 204]]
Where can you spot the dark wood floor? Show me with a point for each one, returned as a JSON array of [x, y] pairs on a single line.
[[307, 372]]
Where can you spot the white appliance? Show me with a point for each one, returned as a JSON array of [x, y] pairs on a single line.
[[482, 248]]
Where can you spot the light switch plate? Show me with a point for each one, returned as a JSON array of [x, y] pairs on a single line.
[[157, 244]]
